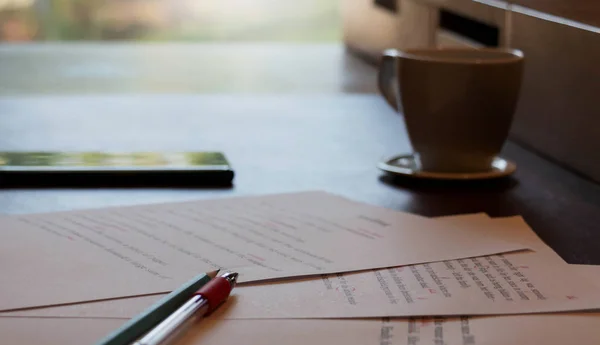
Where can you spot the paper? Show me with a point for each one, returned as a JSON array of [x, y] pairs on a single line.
[[528, 282], [389, 292], [128, 307], [580, 329], [128, 251], [553, 329], [556, 329]]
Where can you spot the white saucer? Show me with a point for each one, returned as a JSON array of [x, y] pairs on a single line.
[[405, 165]]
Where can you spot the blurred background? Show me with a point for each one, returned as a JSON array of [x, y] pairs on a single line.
[[65, 47], [168, 20]]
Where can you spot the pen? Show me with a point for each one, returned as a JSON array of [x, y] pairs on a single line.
[[142, 323], [207, 299]]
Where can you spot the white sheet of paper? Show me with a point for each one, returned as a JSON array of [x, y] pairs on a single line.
[[406, 291], [529, 282], [551, 329], [502, 284], [554, 329], [128, 251], [128, 307]]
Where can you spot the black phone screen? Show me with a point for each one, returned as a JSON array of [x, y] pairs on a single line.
[[114, 168]]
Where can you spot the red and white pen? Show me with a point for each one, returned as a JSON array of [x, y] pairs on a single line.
[[207, 299]]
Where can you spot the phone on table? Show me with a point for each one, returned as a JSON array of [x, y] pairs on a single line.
[[123, 169]]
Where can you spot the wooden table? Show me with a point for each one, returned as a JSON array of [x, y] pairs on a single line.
[[289, 141]]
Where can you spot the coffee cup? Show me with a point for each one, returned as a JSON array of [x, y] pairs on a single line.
[[458, 104]]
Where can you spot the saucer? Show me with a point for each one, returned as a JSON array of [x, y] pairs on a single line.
[[405, 165]]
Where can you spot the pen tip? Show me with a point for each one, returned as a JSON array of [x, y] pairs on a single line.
[[231, 277]]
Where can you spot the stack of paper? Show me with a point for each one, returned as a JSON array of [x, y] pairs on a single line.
[[342, 266]]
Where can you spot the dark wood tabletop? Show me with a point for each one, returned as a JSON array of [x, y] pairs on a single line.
[[285, 142]]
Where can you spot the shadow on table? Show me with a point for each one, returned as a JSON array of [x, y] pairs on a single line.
[[434, 198], [101, 179], [215, 183], [417, 184], [118, 186]]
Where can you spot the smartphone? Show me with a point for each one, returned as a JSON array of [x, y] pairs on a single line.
[[123, 169]]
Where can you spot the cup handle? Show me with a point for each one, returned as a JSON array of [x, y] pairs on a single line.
[[387, 79]]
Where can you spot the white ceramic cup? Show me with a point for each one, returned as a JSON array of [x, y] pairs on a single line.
[[458, 104]]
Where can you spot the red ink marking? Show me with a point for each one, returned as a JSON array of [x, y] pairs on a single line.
[[71, 238], [432, 291], [353, 289], [571, 297], [257, 257]]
